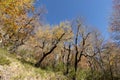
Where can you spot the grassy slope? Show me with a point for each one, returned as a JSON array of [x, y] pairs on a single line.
[[13, 69]]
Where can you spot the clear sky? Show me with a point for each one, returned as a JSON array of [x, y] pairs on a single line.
[[95, 12]]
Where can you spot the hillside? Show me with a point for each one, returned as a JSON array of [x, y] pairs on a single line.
[[11, 68]]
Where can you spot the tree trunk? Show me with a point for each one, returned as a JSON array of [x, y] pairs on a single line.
[[38, 64], [68, 62]]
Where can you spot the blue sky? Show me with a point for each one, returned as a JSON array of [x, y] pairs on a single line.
[[95, 12]]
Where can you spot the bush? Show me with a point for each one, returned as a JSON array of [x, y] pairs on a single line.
[[4, 61], [26, 56], [82, 74], [59, 67]]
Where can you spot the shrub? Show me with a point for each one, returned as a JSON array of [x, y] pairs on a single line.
[[4, 61]]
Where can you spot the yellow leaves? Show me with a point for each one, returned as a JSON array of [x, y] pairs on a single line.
[[15, 27], [12, 10], [16, 6], [32, 41], [44, 33], [112, 58], [15, 20], [111, 62], [64, 27], [51, 35], [57, 32]]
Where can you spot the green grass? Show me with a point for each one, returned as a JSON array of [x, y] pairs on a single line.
[[4, 61], [3, 58]]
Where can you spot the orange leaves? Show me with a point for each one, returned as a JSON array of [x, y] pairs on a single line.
[[12, 10], [14, 19], [15, 8]]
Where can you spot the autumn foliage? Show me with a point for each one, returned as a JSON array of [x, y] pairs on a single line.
[[72, 47]]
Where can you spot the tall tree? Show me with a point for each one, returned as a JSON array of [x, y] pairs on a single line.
[[81, 37], [115, 20], [50, 39]]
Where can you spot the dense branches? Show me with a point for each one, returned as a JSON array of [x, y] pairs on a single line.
[[69, 47]]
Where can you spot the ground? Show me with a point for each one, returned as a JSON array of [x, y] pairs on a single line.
[[11, 68]]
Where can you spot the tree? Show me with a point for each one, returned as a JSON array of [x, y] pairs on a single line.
[[95, 53], [16, 24], [49, 39], [81, 36], [115, 30], [68, 59], [115, 20], [111, 59]]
